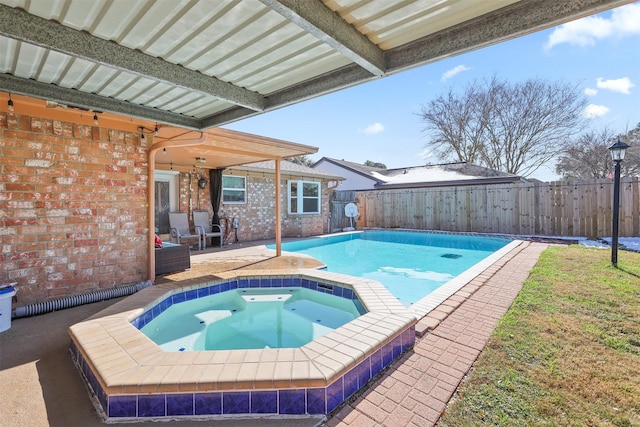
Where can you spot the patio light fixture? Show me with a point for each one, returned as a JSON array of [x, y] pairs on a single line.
[[617, 155], [146, 131]]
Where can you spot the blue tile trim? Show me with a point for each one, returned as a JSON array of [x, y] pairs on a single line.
[[265, 282], [350, 383], [264, 402], [208, 403], [152, 405], [335, 394], [180, 404], [123, 406], [293, 402], [192, 294], [203, 292], [312, 401], [235, 402], [316, 401]]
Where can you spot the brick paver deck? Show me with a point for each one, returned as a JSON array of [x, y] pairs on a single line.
[[417, 388]]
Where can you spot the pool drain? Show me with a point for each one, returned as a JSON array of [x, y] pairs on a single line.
[[451, 256]]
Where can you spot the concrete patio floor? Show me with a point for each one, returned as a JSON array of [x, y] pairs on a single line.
[[41, 386]]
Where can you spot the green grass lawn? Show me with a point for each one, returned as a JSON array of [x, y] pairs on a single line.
[[567, 353]]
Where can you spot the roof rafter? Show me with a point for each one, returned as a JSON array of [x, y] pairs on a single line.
[[75, 98], [321, 22], [20, 25]]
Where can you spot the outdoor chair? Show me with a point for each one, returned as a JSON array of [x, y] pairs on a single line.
[[204, 227], [179, 228]]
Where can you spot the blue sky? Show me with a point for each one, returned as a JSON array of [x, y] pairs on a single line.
[[380, 120]]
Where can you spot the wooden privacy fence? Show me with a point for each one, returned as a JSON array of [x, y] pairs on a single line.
[[562, 208], [339, 199]]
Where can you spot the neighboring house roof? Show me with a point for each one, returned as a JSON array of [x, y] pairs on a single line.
[[357, 168], [289, 168], [447, 174]]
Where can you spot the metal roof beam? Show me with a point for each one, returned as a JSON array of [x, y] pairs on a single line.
[[333, 81], [20, 25], [320, 21], [90, 101]]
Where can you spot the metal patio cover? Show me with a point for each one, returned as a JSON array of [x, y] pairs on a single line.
[[197, 64]]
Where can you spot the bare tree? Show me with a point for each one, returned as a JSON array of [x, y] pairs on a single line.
[[588, 157], [631, 163], [513, 128]]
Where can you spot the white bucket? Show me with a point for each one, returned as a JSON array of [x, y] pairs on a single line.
[[6, 293]]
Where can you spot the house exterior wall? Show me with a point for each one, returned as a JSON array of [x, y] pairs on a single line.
[[353, 181], [73, 207], [256, 218]]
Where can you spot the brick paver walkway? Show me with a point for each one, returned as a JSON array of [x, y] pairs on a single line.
[[416, 389]]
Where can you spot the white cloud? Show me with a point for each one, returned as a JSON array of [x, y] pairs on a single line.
[[593, 111], [373, 129], [455, 70], [624, 22], [622, 85], [590, 92], [425, 154]]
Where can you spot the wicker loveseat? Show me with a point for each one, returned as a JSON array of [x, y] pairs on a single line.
[[172, 257]]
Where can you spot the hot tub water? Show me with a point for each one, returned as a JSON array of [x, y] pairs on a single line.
[[250, 319]]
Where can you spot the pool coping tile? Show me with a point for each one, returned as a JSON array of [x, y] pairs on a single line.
[[124, 362]]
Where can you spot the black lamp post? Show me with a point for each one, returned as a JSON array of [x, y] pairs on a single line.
[[617, 154]]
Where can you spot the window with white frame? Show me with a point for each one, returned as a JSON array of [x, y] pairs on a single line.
[[304, 197], [234, 189]]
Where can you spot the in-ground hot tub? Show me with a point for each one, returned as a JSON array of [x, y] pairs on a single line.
[[131, 377], [252, 318]]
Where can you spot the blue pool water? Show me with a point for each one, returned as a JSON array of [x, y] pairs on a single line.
[[410, 264], [250, 318]]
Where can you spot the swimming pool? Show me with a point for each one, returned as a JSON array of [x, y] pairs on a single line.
[[410, 264]]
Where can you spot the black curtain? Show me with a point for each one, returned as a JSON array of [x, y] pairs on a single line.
[[215, 192]]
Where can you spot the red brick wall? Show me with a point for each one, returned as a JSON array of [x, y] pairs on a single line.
[[73, 207], [256, 218]]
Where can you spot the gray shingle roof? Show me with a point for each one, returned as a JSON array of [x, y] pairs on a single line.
[[427, 175], [290, 168]]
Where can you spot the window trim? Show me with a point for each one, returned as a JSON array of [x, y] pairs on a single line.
[[300, 197], [244, 202]]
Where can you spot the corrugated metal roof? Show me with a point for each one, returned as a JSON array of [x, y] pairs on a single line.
[[199, 64]]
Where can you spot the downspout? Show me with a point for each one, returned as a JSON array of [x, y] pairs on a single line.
[[151, 196], [278, 219]]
